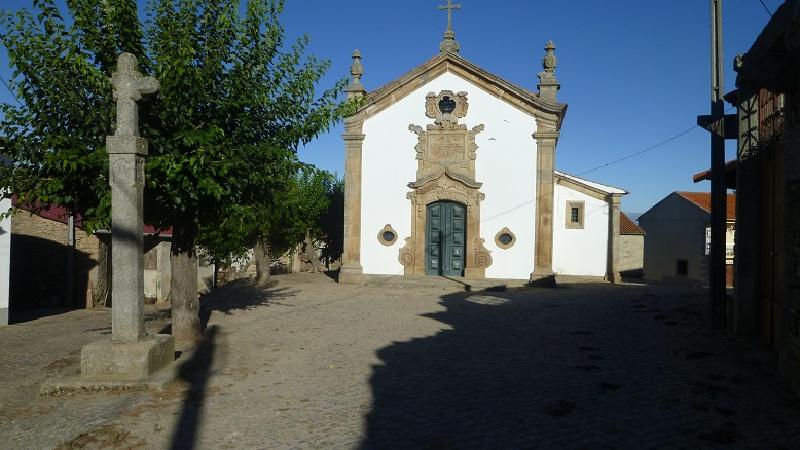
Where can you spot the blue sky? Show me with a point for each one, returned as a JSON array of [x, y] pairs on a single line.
[[633, 73]]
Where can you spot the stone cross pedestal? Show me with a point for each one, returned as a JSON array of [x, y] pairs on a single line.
[[130, 354]]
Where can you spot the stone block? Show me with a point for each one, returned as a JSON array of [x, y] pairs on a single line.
[[126, 361]]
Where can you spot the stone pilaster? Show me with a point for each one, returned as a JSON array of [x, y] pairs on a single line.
[[612, 268], [546, 139], [351, 259]]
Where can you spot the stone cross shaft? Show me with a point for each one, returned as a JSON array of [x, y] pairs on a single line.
[[450, 6], [126, 151]]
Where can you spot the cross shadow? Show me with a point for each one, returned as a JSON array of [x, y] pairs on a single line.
[[196, 371]]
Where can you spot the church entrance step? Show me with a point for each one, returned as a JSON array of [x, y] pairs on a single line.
[[446, 283]]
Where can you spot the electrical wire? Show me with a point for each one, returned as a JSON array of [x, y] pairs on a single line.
[[765, 7], [652, 147], [10, 91]]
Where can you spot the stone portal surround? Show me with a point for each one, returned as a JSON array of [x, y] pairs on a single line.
[[446, 152]]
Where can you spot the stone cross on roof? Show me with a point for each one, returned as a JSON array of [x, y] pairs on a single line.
[[129, 85], [449, 43], [450, 7]]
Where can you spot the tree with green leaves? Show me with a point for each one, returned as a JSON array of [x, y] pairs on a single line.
[[235, 102]]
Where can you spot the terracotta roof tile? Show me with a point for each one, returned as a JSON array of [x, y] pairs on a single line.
[[703, 200], [627, 226]]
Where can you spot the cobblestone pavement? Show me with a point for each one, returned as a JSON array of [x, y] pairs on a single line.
[[312, 364]]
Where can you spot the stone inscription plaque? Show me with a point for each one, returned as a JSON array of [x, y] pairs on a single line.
[[447, 145]]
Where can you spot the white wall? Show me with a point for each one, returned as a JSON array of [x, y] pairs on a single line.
[[676, 229], [5, 260], [580, 251], [505, 164]]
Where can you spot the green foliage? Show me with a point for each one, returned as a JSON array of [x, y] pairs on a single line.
[[235, 102], [330, 224], [55, 135]]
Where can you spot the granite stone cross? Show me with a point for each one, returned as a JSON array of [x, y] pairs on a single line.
[[126, 152], [129, 85], [450, 6]]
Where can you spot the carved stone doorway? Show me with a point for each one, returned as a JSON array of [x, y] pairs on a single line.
[[445, 239]]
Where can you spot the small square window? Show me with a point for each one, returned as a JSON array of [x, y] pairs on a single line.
[[574, 215], [682, 268]]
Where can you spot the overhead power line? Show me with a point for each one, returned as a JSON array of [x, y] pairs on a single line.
[[10, 91], [765, 7], [652, 147]]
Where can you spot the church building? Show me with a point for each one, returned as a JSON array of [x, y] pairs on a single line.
[[449, 171]]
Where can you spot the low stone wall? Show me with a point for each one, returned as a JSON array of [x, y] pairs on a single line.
[[631, 253], [39, 255]]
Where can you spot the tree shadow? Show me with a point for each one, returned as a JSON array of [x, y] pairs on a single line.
[[540, 368], [196, 372], [238, 295]]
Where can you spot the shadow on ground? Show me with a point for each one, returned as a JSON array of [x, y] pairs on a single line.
[[238, 295], [520, 370]]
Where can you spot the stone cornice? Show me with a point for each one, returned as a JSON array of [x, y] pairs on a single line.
[[521, 98], [589, 190]]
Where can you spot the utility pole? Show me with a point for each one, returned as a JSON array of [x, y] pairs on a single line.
[[719, 196]]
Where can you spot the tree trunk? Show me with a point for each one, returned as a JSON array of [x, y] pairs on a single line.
[[261, 256], [101, 288], [183, 289], [311, 253]]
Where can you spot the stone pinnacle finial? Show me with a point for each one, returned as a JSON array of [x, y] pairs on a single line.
[[356, 69], [549, 62], [449, 43], [355, 88], [548, 84]]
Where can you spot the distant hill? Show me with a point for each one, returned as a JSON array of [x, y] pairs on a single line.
[[634, 216]]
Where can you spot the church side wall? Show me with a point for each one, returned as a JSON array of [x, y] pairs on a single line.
[[505, 164], [5, 260], [580, 251]]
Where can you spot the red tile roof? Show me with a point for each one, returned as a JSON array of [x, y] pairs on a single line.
[[627, 226], [58, 213], [703, 200]]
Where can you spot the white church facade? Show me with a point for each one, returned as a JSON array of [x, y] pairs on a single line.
[[449, 171]]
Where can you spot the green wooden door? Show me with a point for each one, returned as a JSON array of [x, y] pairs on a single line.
[[445, 238]]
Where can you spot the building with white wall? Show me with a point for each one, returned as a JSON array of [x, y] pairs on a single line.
[[5, 261], [449, 171], [676, 244]]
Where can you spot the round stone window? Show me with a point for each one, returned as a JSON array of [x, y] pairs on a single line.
[[505, 239], [387, 236]]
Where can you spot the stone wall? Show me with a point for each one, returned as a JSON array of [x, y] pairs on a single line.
[[39, 256], [631, 253]]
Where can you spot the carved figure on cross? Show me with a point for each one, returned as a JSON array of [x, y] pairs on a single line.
[[450, 6], [129, 85]]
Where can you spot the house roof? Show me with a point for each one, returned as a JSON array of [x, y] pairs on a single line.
[[517, 96], [703, 200], [627, 226]]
